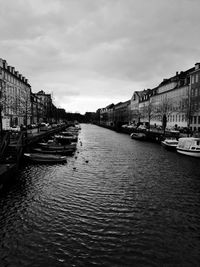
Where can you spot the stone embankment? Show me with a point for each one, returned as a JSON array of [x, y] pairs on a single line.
[[152, 135], [13, 145]]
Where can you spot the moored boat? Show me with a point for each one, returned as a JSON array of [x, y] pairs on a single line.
[[54, 151], [45, 158], [56, 146], [138, 136], [68, 133], [189, 146], [65, 139], [170, 144]]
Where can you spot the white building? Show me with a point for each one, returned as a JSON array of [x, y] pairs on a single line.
[[15, 96]]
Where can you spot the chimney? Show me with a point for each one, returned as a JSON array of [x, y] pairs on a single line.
[[5, 64], [197, 65], [1, 62], [177, 73]]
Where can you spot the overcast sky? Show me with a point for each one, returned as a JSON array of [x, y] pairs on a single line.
[[91, 53]]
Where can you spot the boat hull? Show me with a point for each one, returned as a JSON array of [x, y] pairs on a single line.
[[168, 146], [138, 136], [195, 154], [57, 147], [41, 158], [54, 152]]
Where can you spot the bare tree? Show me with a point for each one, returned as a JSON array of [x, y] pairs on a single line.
[[149, 111], [164, 109]]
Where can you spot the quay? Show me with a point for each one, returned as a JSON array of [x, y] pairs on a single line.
[[152, 135], [13, 145]]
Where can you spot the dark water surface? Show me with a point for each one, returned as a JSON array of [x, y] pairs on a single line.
[[132, 204]]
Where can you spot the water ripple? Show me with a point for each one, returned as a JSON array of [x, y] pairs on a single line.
[[117, 202]]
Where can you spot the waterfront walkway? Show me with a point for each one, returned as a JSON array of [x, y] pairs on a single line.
[[7, 169]]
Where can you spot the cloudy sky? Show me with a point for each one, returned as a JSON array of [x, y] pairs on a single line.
[[90, 53]]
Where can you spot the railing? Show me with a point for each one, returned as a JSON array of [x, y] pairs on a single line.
[[4, 144], [20, 146]]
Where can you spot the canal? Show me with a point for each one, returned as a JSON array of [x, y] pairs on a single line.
[[117, 202]]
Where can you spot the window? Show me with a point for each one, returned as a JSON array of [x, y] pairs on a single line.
[[192, 79], [183, 117], [196, 78], [194, 119], [198, 119]]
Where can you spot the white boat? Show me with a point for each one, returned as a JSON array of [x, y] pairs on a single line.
[[45, 158], [138, 136], [170, 144], [189, 146]]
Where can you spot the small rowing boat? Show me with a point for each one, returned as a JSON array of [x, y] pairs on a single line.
[[54, 151], [45, 158]]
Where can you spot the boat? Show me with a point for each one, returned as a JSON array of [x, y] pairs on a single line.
[[56, 146], [138, 136], [189, 146], [54, 151], [67, 133], [45, 158], [170, 144], [65, 139]]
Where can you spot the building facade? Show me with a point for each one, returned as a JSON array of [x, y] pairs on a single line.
[[194, 104], [15, 97], [177, 99], [46, 112]]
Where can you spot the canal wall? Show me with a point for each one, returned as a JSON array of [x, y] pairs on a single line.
[[152, 135], [8, 166]]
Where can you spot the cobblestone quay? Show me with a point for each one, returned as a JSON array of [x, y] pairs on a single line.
[[117, 202]]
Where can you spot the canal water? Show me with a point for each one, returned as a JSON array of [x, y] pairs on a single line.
[[117, 202]]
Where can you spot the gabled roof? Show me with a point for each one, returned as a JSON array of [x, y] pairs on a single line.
[[110, 106]]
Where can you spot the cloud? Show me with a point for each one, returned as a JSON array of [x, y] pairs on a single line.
[[81, 49]]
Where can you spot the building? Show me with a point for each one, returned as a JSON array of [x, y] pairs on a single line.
[[145, 113], [46, 106], [194, 103], [171, 99], [134, 107], [122, 113], [15, 97], [36, 109], [61, 115], [104, 115]]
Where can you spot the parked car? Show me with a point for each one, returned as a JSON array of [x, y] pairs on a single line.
[[15, 128], [44, 126], [32, 126], [54, 125]]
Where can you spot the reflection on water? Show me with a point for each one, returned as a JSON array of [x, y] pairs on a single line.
[[117, 202]]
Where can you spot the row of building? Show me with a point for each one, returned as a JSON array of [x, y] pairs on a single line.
[[19, 105], [177, 99]]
